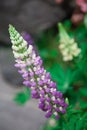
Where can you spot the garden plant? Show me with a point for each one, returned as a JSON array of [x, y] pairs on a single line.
[[54, 69]]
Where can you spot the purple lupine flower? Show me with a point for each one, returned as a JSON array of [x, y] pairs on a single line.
[[35, 76], [27, 37]]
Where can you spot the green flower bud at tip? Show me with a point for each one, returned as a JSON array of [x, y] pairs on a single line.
[[67, 101]]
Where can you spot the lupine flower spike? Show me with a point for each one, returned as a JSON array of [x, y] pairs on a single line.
[[68, 47], [35, 76]]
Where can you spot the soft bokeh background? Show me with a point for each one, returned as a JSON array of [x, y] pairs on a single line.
[[35, 17]]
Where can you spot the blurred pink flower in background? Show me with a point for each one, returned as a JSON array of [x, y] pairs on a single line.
[[77, 18], [82, 4], [58, 1]]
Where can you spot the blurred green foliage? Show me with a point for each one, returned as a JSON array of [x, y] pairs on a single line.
[[73, 120], [23, 96], [71, 78]]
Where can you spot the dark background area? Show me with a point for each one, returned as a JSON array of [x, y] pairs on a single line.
[[32, 16]]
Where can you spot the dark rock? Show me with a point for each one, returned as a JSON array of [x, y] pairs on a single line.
[[40, 16], [32, 16], [12, 76], [8, 70]]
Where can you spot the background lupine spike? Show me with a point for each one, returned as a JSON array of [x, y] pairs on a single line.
[[68, 47], [35, 76], [62, 33]]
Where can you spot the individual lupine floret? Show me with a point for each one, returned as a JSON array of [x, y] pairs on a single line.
[[35, 76], [68, 47], [27, 37]]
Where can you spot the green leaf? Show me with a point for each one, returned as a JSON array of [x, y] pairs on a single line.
[[72, 122], [64, 78], [22, 97], [83, 91], [80, 123], [67, 24], [85, 20], [44, 53], [53, 53]]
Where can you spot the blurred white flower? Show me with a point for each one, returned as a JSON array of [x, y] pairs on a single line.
[[68, 47], [52, 122]]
